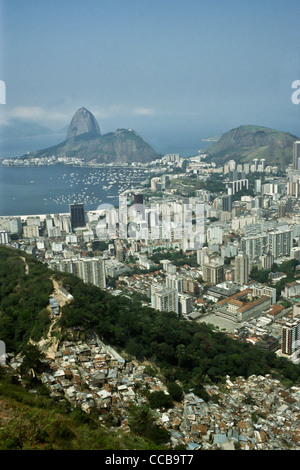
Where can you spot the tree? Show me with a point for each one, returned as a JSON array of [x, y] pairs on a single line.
[[175, 391], [140, 419], [32, 359], [160, 400], [142, 423], [261, 276], [180, 350]]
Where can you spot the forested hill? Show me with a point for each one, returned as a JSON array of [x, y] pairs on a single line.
[[184, 350], [247, 142]]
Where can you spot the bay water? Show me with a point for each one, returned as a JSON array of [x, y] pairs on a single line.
[[50, 189]]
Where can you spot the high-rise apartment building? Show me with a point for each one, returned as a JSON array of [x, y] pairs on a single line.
[[241, 273], [277, 243], [31, 231], [255, 164], [232, 165], [138, 199], [290, 337], [261, 165], [203, 256], [246, 168], [281, 210], [92, 271], [66, 223], [11, 224], [296, 155], [4, 239], [258, 186], [267, 261], [164, 299], [184, 304], [280, 243], [77, 215], [49, 222], [174, 282], [213, 273], [190, 286], [215, 234], [238, 185], [255, 246], [293, 188]]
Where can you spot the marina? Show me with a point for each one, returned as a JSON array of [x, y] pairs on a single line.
[[50, 189]]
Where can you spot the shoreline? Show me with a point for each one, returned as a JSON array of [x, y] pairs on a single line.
[[43, 216], [124, 167]]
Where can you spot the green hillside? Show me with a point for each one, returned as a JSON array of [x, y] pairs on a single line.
[[247, 142]]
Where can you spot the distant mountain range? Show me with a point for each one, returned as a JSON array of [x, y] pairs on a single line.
[[18, 136], [247, 142], [83, 138]]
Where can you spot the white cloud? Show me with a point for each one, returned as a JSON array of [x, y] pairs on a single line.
[[27, 112], [39, 115], [110, 111], [143, 111], [58, 116], [119, 110]]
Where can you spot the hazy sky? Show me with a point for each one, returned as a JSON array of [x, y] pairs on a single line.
[[170, 69]]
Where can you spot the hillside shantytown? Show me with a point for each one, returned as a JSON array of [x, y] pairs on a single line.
[[254, 413], [242, 277]]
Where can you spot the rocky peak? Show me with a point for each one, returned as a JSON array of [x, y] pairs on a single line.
[[82, 122]]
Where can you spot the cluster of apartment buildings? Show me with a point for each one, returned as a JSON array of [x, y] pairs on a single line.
[[90, 270]]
